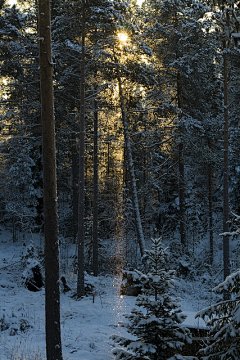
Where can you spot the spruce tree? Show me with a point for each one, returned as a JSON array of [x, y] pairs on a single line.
[[156, 320], [20, 120], [186, 54], [223, 318]]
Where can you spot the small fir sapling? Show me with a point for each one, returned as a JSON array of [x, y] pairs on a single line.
[[155, 322]]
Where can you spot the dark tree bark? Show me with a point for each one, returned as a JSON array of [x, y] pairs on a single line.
[[52, 291], [75, 173], [210, 214], [95, 193], [181, 184], [81, 201], [181, 195], [226, 265]]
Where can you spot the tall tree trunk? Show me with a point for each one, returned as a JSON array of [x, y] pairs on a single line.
[[75, 173], [181, 194], [210, 214], [52, 291], [181, 183], [81, 201], [141, 239], [108, 160], [145, 162], [226, 265], [95, 193]]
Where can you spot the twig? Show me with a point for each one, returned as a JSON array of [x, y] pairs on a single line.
[[4, 267]]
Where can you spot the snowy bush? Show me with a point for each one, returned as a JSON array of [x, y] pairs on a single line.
[[130, 283], [224, 320], [32, 276], [14, 324], [29, 253], [4, 323], [17, 353], [155, 322]]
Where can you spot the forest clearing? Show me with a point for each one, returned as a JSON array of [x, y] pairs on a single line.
[[86, 324]]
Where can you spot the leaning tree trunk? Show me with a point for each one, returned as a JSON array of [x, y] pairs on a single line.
[[52, 292], [141, 239], [81, 201]]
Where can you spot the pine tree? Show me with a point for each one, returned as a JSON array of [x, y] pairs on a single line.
[[52, 290], [156, 319]]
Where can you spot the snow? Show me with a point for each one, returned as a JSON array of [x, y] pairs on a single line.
[[86, 325], [236, 35], [191, 321]]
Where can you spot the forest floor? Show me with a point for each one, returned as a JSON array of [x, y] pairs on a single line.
[[86, 325]]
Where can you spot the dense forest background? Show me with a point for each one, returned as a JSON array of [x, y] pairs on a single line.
[[161, 111]]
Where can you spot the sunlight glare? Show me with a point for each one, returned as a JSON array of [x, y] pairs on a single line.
[[12, 2], [123, 38]]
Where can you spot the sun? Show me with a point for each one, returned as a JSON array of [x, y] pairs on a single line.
[[123, 38], [12, 2]]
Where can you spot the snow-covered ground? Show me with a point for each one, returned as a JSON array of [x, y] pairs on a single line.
[[86, 324]]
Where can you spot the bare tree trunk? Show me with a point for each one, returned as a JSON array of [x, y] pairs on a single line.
[[210, 214], [52, 291], [75, 173], [181, 183], [226, 265], [141, 239], [95, 193], [81, 203], [181, 194]]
